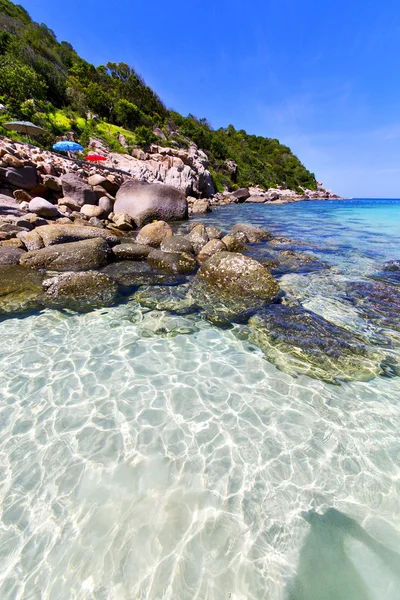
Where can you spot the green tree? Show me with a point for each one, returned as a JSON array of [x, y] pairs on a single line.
[[20, 81]]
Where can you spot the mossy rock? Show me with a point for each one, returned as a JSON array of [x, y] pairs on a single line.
[[230, 285], [20, 290], [299, 341]]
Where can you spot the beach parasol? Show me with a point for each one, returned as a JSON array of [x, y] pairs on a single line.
[[25, 127], [95, 157], [66, 146]]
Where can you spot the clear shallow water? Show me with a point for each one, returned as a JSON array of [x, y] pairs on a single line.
[[150, 456]]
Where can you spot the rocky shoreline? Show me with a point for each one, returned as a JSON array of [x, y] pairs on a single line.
[[78, 237]]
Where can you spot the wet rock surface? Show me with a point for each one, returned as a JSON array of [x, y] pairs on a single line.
[[175, 299], [299, 341], [131, 251], [80, 291], [74, 256], [20, 290], [172, 262], [131, 274], [378, 302], [231, 285]]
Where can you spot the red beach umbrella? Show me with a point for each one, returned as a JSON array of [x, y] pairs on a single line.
[[95, 157]]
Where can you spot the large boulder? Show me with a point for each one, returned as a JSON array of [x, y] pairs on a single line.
[[20, 290], [172, 262], [74, 256], [301, 342], [43, 208], [80, 291], [10, 255], [230, 285], [9, 207], [75, 188], [145, 202], [24, 177], [62, 234], [241, 194], [154, 233]]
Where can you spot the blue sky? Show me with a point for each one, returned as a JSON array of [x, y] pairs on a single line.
[[321, 76]]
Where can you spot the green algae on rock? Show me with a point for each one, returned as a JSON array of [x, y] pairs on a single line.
[[20, 290], [299, 341], [172, 262], [230, 285], [75, 256], [173, 299], [80, 291]]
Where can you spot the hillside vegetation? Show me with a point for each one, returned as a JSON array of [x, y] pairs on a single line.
[[46, 82]]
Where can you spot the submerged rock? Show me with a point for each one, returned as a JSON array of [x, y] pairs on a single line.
[[80, 291], [298, 341], [20, 290], [75, 256], [170, 298], [172, 262], [131, 274], [377, 301], [230, 285]]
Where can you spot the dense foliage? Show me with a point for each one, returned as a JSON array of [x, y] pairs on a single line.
[[47, 82]]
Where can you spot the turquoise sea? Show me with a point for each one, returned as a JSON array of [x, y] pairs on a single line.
[[150, 456]]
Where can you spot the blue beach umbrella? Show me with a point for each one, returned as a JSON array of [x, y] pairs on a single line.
[[66, 146]]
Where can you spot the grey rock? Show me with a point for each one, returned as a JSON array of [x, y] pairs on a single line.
[[198, 237], [107, 205], [76, 189], [43, 208], [145, 202], [24, 177], [241, 194], [10, 255], [74, 256]]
